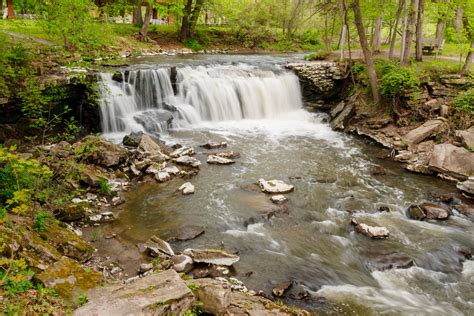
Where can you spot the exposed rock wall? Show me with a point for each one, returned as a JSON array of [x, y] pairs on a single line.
[[320, 80]]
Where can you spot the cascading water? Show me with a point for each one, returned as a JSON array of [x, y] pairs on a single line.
[[143, 100]]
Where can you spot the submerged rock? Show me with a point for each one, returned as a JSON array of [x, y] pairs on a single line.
[[278, 199], [274, 186], [216, 160], [188, 233], [187, 161], [69, 279], [214, 145], [375, 232], [164, 293], [228, 154], [212, 256], [187, 188]]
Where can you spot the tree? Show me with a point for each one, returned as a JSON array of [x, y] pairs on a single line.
[[377, 38], [468, 22], [367, 53], [419, 30], [410, 31], [401, 4], [10, 10], [137, 13], [191, 13], [143, 34]]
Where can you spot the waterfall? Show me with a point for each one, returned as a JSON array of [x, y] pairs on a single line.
[[144, 100]]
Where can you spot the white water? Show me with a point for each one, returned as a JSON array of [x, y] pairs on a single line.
[[144, 100]]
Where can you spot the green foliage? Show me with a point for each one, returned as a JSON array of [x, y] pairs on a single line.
[[19, 178], [81, 299], [104, 185], [71, 20], [40, 221], [193, 44], [358, 69], [394, 78], [193, 286], [15, 277], [465, 101], [319, 55], [156, 262]]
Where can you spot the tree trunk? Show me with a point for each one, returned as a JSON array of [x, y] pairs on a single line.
[[439, 31], [185, 21], [137, 13], [377, 37], [410, 30], [143, 34], [404, 28], [395, 28], [470, 56], [195, 16], [1, 9], [458, 19], [342, 9], [10, 10], [419, 30], [367, 53]]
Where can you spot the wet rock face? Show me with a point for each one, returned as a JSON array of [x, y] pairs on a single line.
[[320, 79], [467, 186], [217, 160], [133, 139], [375, 232]]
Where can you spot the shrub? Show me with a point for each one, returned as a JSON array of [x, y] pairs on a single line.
[[465, 101], [319, 55], [40, 221], [394, 78], [104, 186], [193, 44]]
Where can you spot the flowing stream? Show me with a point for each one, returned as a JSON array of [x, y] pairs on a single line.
[[256, 107]]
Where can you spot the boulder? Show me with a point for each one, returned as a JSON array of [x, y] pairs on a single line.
[[278, 199], [214, 145], [337, 109], [244, 304], [465, 210], [164, 293], [187, 188], [427, 211], [467, 137], [157, 247], [214, 295], [187, 161], [162, 176], [341, 120], [375, 232], [145, 267], [427, 129], [171, 170], [71, 212], [182, 263], [105, 153], [467, 186], [182, 151], [282, 288], [453, 161], [217, 160], [274, 186], [69, 279], [212, 256], [133, 139], [148, 146]]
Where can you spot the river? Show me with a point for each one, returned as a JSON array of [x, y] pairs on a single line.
[[255, 105]]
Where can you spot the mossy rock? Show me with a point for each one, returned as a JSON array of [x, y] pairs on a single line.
[[71, 212], [69, 279]]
